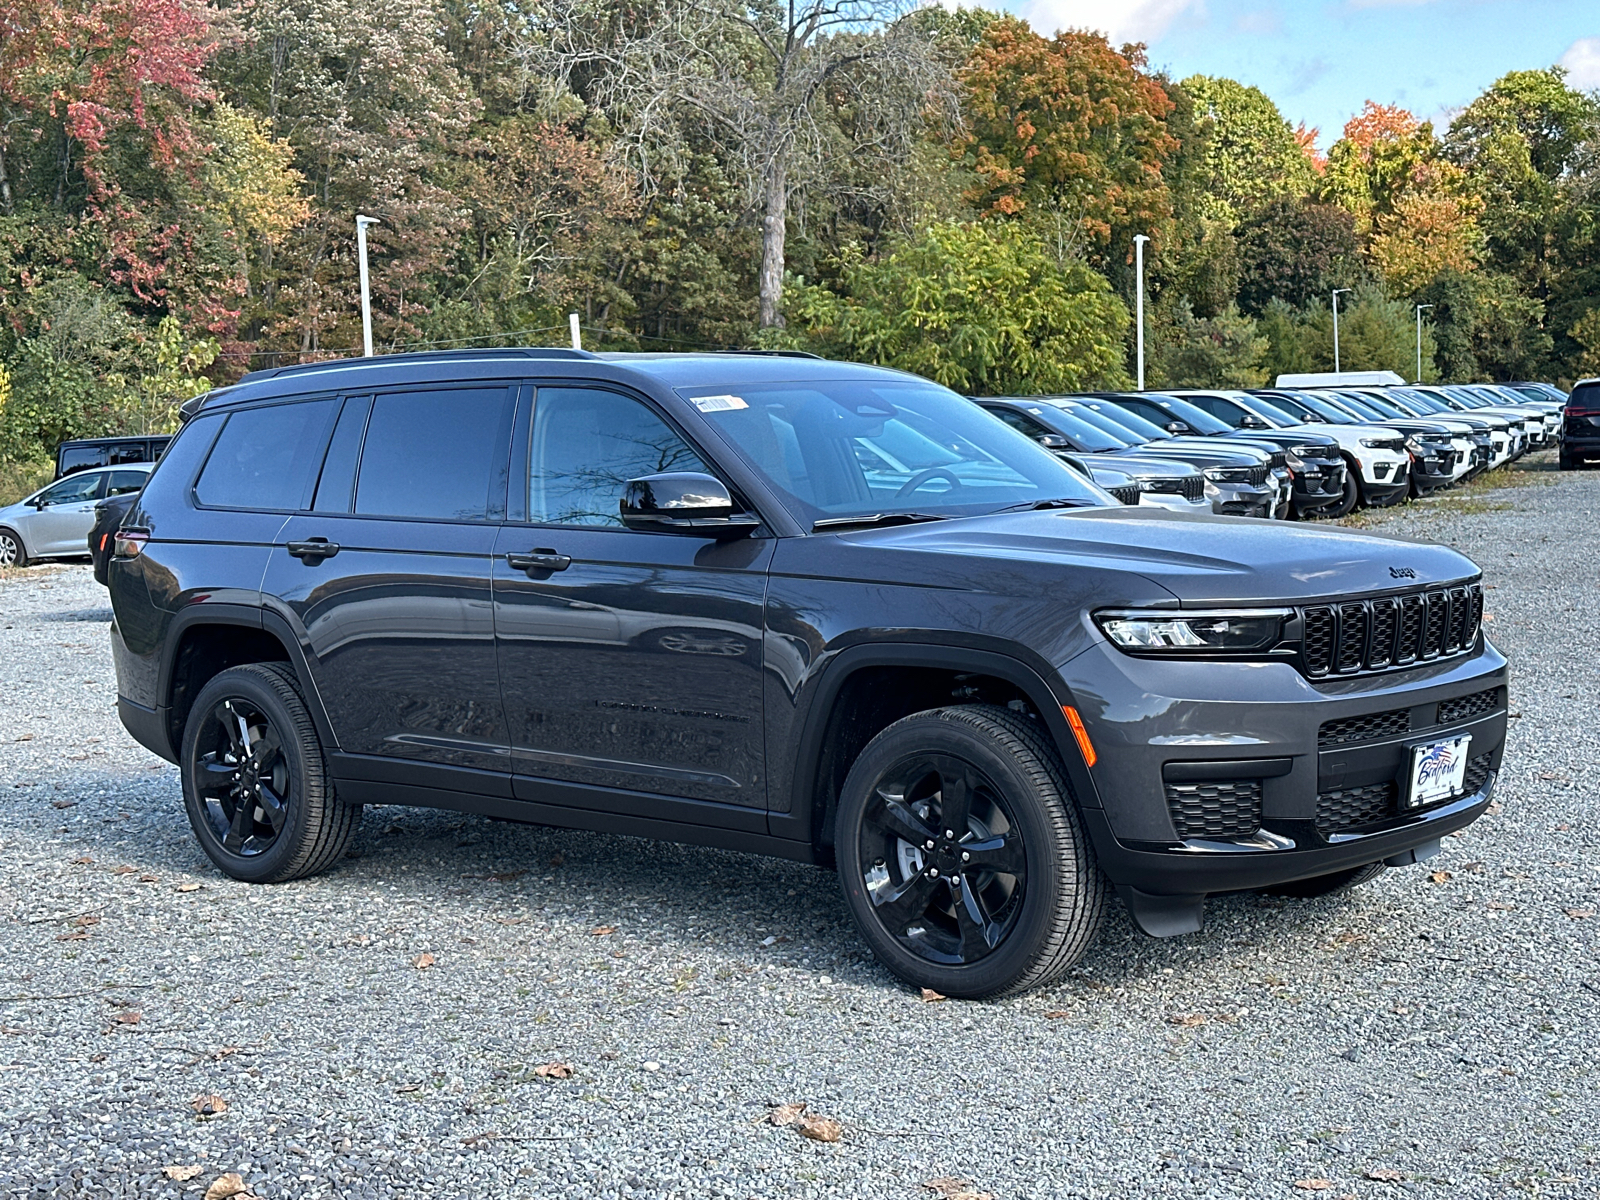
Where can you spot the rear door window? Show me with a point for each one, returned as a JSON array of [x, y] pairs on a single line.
[[74, 490], [439, 454], [129, 452], [123, 482], [265, 457], [82, 458]]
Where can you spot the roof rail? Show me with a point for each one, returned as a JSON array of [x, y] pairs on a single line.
[[771, 353], [424, 356]]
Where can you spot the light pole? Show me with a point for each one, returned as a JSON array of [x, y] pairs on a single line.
[[1139, 240], [1337, 292], [366, 298], [1420, 307]]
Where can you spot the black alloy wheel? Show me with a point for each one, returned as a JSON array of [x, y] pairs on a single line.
[[255, 782], [949, 870], [962, 856]]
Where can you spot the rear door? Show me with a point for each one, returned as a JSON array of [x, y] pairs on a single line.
[[388, 575]]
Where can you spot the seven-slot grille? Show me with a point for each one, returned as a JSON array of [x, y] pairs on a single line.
[[1260, 474], [1194, 488], [1220, 809], [1128, 494], [1369, 635]]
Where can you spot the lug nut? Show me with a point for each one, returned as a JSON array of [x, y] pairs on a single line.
[[965, 857], [933, 872], [949, 835], [928, 845]]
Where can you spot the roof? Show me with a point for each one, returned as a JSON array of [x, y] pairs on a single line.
[[670, 370]]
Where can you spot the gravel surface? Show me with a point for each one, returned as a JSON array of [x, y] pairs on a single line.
[[1434, 1030]]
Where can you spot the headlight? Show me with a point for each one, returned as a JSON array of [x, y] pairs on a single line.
[[1194, 632], [1228, 474], [1382, 443], [1297, 455]]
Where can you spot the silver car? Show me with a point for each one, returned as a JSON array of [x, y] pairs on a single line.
[[55, 521]]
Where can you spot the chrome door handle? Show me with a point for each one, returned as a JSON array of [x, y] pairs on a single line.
[[539, 560]]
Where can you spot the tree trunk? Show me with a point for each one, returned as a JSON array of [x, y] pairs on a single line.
[[773, 228]]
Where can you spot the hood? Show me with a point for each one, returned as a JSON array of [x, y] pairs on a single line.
[[1143, 466], [1345, 432], [1200, 560]]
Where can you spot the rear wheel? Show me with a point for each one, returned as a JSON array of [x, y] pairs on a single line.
[[255, 784], [1568, 463], [1327, 885], [12, 551], [962, 856]]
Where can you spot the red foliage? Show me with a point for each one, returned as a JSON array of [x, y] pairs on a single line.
[[1387, 122]]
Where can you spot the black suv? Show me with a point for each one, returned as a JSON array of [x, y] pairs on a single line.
[[1580, 431], [828, 612]]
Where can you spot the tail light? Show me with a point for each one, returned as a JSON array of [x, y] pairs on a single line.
[[129, 543]]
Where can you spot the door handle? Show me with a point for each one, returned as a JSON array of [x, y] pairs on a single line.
[[539, 560], [313, 550]]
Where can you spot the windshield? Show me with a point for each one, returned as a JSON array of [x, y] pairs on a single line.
[[1119, 422], [857, 448], [1275, 417], [1192, 415]]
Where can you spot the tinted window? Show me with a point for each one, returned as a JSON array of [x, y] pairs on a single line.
[[1585, 400], [81, 458], [338, 480], [265, 457], [586, 445], [130, 452], [123, 482], [1022, 424], [75, 490], [432, 454]]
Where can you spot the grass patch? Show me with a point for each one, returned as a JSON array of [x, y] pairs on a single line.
[[20, 479], [1485, 494]]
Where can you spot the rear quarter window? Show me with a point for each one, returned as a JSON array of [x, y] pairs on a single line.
[[1585, 400], [265, 458]]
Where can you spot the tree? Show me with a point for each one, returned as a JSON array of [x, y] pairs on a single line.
[[759, 82], [981, 307], [1295, 250], [1222, 351], [1067, 127], [1253, 154], [1487, 327]]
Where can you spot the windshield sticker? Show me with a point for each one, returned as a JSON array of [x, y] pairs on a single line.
[[714, 404]]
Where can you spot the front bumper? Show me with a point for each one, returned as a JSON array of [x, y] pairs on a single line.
[[1167, 731], [1242, 499]]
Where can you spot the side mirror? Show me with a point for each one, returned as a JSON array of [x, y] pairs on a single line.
[[1251, 421], [1077, 465], [40, 503], [1178, 427], [682, 502], [1053, 442]]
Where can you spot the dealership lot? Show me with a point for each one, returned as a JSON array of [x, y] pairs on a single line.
[[376, 1030]]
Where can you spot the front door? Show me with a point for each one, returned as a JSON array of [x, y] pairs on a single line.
[[389, 578], [66, 515], [627, 660]]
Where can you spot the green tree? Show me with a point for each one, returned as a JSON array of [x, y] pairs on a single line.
[[1486, 327], [1226, 350], [1295, 250], [981, 307], [1252, 155]]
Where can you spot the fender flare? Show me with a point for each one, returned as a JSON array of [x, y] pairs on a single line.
[[800, 822]]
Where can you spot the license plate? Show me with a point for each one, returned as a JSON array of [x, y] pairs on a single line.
[[1438, 771]]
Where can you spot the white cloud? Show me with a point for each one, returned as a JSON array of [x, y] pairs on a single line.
[[1582, 61], [1120, 20]]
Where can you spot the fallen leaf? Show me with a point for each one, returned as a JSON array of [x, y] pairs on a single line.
[[131, 1017], [63, 804], [84, 920], [423, 961], [1475, 867], [1313, 1185], [1058, 1014], [554, 1070], [1497, 906], [1563, 827], [602, 931], [1550, 775], [182, 1173], [80, 935], [476, 1141], [85, 861], [224, 1052], [409, 1087], [27, 737], [225, 1186], [1385, 1174], [209, 1105], [783, 1115], [1579, 914], [1440, 877], [956, 1189], [149, 879], [929, 996], [819, 1129], [122, 870], [188, 887], [1495, 808], [1187, 1020]]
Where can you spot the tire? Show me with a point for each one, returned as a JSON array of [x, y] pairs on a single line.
[[1347, 502], [1025, 925], [12, 552], [1327, 885], [1568, 463], [296, 825]]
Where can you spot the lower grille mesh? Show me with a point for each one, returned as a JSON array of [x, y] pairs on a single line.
[[1357, 807], [1364, 727], [1465, 708], [1478, 769], [1215, 809]]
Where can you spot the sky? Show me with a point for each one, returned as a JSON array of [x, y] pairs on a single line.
[[1320, 59]]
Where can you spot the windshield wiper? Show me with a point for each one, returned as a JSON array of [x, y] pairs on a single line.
[[872, 519], [1035, 505]]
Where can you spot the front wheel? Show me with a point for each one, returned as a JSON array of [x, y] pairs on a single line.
[[1347, 501], [12, 552], [255, 783], [962, 856]]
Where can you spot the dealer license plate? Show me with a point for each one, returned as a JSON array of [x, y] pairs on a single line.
[[1438, 771]]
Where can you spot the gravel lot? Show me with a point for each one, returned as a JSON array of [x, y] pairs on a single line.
[[1435, 1031]]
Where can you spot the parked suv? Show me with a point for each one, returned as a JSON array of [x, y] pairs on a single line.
[[84, 454], [822, 611], [1580, 434]]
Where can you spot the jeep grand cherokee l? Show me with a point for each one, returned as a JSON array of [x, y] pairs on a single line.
[[828, 612]]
